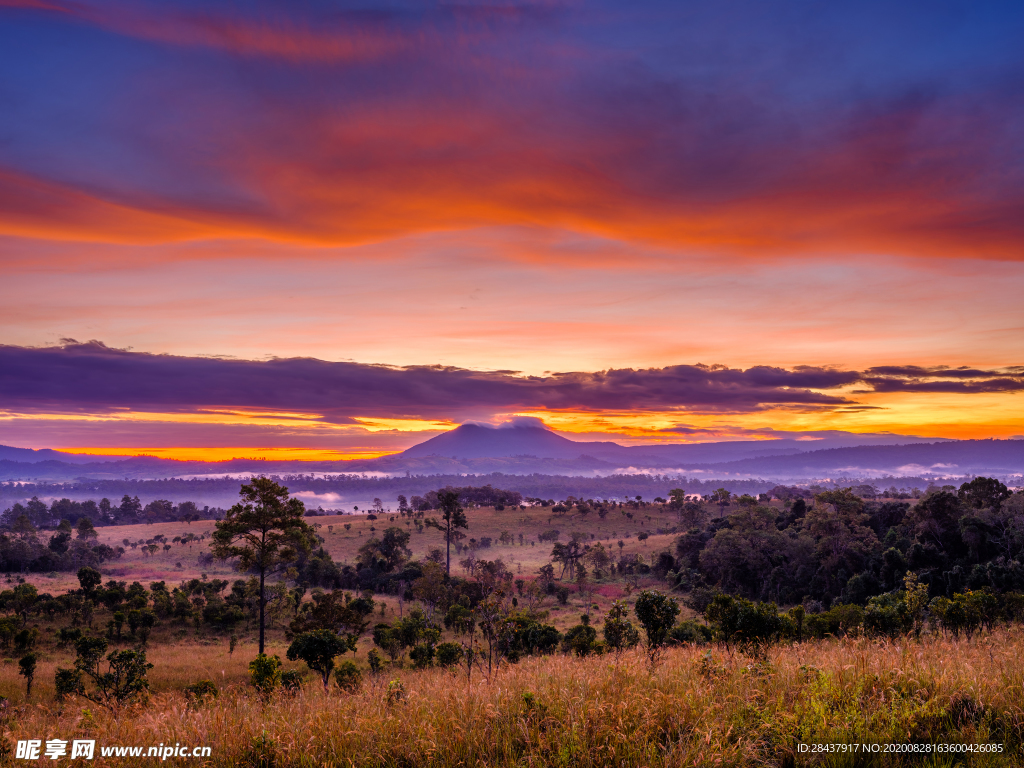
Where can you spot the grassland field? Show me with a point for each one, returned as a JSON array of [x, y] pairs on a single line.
[[695, 707]]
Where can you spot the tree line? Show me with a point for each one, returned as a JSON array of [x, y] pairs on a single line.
[[222, 490], [843, 548], [104, 512], [23, 549]]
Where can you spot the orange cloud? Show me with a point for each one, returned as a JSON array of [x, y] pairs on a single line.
[[419, 141], [395, 196], [31, 207]]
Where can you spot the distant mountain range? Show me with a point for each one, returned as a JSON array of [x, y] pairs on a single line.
[[474, 441], [34, 456], [959, 457], [479, 449]]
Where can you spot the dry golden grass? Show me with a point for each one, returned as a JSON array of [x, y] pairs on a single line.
[[690, 710], [184, 655], [175, 665]]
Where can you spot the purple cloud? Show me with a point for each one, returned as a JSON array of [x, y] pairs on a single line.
[[963, 380], [94, 377], [91, 376]]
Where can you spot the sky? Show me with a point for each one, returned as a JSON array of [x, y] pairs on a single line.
[[318, 229]]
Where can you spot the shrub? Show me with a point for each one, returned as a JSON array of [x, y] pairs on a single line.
[[965, 612], [68, 682], [656, 613], [348, 677], [580, 640], [459, 619], [262, 752], [265, 674], [664, 567], [523, 634], [700, 598], [390, 640], [89, 579], [888, 616], [709, 669], [25, 640], [448, 654], [1013, 606], [619, 632], [986, 604], [422, 655], [837, 621], [750, 625], [691, 632], [534, 708], [797, 615], [68, 636], [318, 649], [562, 594], [373, 658], [897, 613], [125, 678]]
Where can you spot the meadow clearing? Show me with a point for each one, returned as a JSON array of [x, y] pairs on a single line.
[[182, 561]]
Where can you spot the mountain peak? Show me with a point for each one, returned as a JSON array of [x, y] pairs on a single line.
[[517, 438]]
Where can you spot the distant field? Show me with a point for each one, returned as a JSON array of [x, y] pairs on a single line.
[[344, 544]]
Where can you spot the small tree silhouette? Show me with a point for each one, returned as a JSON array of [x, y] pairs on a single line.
[[656, 613], [124, 679], [27, 669], [265, 672], [265, 531], [318, 649], [453, 518]]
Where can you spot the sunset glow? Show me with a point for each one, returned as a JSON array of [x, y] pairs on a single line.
[[227, 453], [327, 232]]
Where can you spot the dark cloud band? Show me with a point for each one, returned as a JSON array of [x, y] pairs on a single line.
[[94, 377], [91, 376]]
